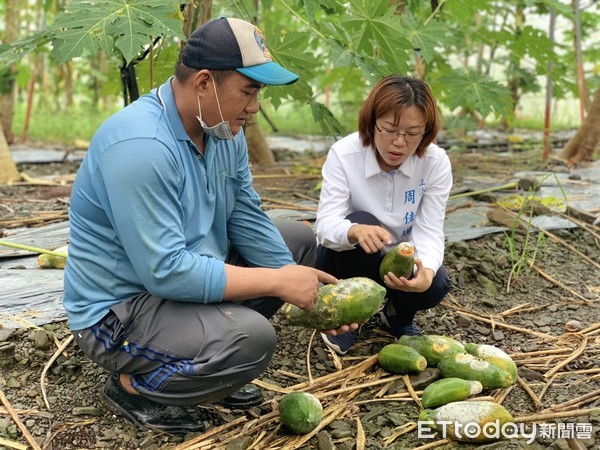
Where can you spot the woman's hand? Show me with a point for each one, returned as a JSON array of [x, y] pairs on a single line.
[[371, 238], [420, 283]]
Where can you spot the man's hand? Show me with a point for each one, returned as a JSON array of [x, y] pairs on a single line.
[[371, 238], [298, 285], [420, 283], [341, 330]]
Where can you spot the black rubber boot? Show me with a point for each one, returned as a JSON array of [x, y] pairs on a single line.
[[245, 397], [148, 414]]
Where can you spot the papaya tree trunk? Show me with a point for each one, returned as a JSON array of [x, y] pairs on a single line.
[[8, 168], [581, 146], [69, 83], [7, 92], [258, 149]]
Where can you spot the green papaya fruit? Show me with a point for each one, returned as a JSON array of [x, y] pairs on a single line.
[[351, 300], [400, 261]]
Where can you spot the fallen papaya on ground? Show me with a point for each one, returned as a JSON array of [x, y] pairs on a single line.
[[448, 390], [401, 359], [495, 356], [433, 347], [300, 412], [469, 367], [48, 261], [465, 421]]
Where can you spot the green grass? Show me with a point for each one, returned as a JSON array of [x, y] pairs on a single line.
[[290, 119], [58, 127], [66, 126], [564, 113]]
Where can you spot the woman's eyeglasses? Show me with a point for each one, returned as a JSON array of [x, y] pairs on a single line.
[[409, 136]]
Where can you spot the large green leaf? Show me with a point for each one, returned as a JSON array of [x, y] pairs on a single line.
[[88, 26], [14, 52], [375, 30], [471, 91], [426, 37]]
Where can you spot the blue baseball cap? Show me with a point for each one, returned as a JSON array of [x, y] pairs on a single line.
[[229, 43]]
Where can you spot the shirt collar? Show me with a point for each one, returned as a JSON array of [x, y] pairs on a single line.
[[371, 165], [167, 100]]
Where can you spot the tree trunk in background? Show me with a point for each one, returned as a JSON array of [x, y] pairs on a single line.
[[258, 149], [8, 168], [7, 98], [581, 146], [514, 83], [68, 73]]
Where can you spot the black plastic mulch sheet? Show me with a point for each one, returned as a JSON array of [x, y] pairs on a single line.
[[30, 295]]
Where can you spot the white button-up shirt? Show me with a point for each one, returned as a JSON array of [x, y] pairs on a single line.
[[410, 202]]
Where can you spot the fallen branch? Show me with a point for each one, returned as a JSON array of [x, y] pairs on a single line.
[[360, 435], [536, 401], [501, 396], [541, 352], [54, 357], [436, 444], [192, 443], [358, 386], [12, 444], [555, 415], [557, 283], [591, 328], [403, 429], [505, 325], [504, 187], [17, 421], [512, 310], [566, 361], [547, 385], [29, 180], [333, 377], [308, 369], [591, 396], [411, 391]]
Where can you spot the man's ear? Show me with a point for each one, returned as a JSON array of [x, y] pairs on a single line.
[[201, 80]]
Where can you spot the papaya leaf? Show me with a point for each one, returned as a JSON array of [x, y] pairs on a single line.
[[323, 115], [425, 36], [14, 52], [376, 30], [533, 42], [126, 26], [465, 11], [291, 52], [474, 92]]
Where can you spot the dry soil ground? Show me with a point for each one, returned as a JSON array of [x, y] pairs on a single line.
[[547, 316]]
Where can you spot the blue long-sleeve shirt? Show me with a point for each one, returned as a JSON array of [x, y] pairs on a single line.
[[150, 213]]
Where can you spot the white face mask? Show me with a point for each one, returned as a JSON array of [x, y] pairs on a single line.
[[222, 130]]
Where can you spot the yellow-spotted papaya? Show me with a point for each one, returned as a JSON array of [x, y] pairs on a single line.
[[433, 347], [351, 300]]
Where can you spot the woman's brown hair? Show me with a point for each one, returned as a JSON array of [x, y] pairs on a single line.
[[395, 93]]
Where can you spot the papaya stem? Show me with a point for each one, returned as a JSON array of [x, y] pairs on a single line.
[[33, 249], [511, 185]]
